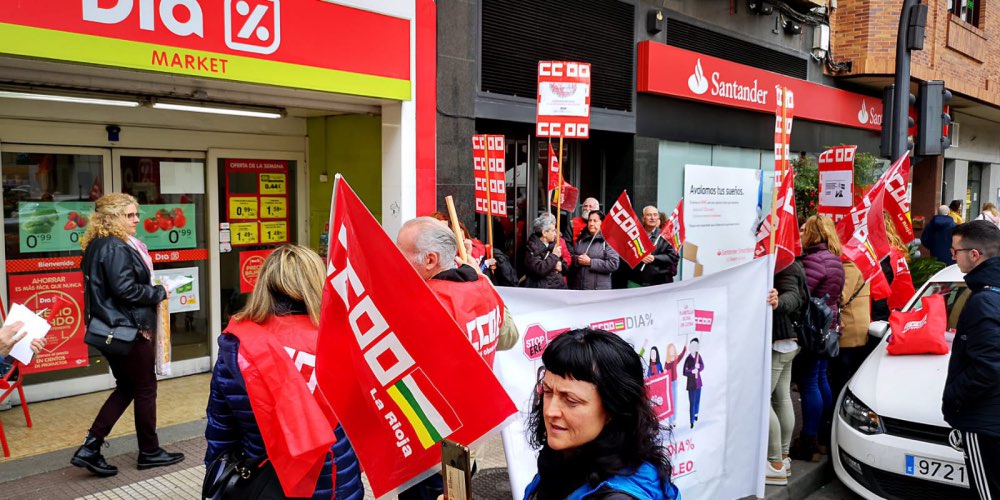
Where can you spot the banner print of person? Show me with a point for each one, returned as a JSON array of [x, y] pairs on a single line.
[[693, 366]]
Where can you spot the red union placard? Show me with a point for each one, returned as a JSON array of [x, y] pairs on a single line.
[[260, 41], [490, 176], [676, 72], [563, 100], [836, 182]]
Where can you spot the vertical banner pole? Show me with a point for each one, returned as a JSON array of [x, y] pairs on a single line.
[[489, 201], [559, 189], [547, 174], [457, 229], [782, 166]]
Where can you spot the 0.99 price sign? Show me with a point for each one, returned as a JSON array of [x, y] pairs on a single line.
[[167, 226], [52, 226]]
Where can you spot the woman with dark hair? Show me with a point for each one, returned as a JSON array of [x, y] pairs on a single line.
[[596, 431], [955, 213], [655, 366], [593, 259]]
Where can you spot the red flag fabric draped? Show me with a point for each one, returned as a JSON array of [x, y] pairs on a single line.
[[902, 285], [398, 370], [554, 177], [863, 237], [673, 230], [623, 232], [295, 419], [897, 200]]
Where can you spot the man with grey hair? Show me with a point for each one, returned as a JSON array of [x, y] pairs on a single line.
[[660, 265], [469, 297], [937, 235], [579, 223]]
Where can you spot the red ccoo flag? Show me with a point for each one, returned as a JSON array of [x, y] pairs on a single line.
[[554, 174], [673, 229], [624, 233], [399, 372], [862, 234]]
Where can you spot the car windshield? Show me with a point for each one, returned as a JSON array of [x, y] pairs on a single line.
[[955, 294]]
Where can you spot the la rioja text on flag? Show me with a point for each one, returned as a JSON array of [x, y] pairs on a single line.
[[490, 176], [624, 233], [398, 370]]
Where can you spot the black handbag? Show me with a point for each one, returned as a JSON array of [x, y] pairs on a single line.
[[110, 339], [234, 476]]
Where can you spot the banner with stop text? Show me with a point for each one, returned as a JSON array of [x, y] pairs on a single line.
[[624, 233], [705, 345], [490, 174], [398, 370]]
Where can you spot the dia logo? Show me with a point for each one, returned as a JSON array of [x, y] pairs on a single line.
[[697, 82]]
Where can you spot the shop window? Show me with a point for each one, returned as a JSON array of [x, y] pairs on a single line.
[[967, 10]]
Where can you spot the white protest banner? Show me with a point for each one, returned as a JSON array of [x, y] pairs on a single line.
[[720, 218], [718, 445]]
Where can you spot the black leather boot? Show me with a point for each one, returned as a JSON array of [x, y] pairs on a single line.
[[158, 458], [89, 456]]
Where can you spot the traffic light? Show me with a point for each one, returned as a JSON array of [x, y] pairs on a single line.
[[932, 139], [886, 148]]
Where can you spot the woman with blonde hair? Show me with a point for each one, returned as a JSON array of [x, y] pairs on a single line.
[[259, 403], [825, 279], [118, 282], [990, 213]]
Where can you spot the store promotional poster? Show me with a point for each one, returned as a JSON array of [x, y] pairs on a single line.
[[698, 340], [720, 218]]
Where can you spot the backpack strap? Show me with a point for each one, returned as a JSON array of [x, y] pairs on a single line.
[[856, 292]]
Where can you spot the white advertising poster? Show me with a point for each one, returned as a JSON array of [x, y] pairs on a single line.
[[835, 188], [185, 297], [563, 99], [705, 345], [720, 218]]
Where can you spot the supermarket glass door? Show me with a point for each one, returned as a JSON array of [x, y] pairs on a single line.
[[173, 222]]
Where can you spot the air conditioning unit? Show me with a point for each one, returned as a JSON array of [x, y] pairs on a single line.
[[954, 133]]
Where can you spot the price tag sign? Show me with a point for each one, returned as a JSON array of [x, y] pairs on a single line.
[[167, 226], [242, 207], [273, 232], [272, 183], [52, 226], [244, 233], [273, 207]]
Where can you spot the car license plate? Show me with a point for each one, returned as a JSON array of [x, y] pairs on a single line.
[[936, 470]]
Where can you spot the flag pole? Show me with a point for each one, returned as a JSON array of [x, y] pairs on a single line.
[[457, 229], [489, 201], [547, 174], [559, 178], [781, 170]]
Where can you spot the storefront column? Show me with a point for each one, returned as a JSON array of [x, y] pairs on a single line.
[[956, 178], [399, 180], [991, 183]]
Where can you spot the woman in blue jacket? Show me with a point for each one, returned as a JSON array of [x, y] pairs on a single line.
[[597, 433], [281, 316]]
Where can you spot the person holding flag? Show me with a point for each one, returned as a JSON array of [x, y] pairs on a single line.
[[660, 265], [265, 408], [580, 223], [543, 257], [593, 259]]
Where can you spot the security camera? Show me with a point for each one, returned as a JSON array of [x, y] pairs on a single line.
[[114, 131]]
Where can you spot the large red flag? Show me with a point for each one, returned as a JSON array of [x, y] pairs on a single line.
[[624, 233], [398, 370], [673, 229], [897, 202], [862, 234]]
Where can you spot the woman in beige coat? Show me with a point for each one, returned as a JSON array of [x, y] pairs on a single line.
[[855, 315]]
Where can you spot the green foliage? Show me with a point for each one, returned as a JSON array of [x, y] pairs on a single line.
[[807, 180], [923, 268]]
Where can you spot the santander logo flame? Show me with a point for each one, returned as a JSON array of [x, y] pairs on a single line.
[[863, 114], [697, 81]]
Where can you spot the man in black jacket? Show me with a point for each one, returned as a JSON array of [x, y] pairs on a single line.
[[971, 400], [660, 265]]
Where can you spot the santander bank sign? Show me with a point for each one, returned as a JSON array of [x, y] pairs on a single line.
[[726, 83]]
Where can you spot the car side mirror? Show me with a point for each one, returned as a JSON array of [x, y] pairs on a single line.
[[878, 329]]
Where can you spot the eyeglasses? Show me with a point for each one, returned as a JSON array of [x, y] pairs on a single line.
[[955, 251], [132, 215]]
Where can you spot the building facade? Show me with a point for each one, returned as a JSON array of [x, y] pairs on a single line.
[[226, 120]]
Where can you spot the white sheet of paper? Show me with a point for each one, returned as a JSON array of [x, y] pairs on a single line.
[[172, 284], [182, 177], [35, 326]]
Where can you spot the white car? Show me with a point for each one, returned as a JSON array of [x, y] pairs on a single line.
[[890, 439]]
